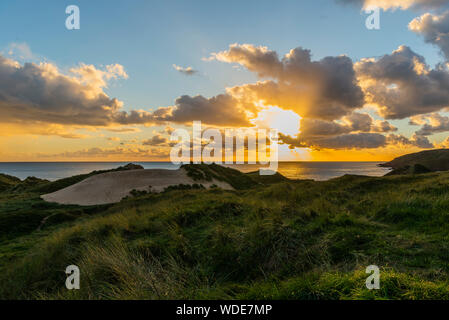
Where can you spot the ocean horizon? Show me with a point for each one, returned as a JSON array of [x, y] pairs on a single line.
[[314, 170]]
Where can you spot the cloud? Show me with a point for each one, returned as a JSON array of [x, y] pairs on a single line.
[[36, 128], [220, 110], [398, 4], [356, 122], [189, 71], [431, 124], [156, 140], [123, 130], [132, 117], [356, 131], [355, 141], [168, 130], [108, 153], [324, 89], [365, 123], [401, 84], [97, 79], [256, 59], [345, 141], [434, 29], [19, 51], [32, 93], [416, 141], [41, 93], [324, 93]]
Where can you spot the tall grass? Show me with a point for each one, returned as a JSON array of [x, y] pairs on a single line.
[[285, 240]]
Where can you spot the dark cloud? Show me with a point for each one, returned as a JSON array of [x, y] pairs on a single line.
[[317, 128], [416, 141], [431, 124], [345, 141], [356, 122], [402, 85], [221, 110], [434, 29], [422, 142], [189, 71], [40, 93], [156, 140], [324, 89], [132, 117], [365, 123], [356, 131]]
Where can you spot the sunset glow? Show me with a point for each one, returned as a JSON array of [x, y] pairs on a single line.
[[327, 103]]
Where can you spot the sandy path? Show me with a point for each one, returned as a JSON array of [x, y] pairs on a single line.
[[112, 187]]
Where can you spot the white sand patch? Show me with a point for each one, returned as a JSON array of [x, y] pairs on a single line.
[[112, 187]]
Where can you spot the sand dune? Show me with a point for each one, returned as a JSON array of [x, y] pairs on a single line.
[[112, 187]]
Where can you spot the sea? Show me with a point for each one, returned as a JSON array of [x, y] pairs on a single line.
[[319, 171]]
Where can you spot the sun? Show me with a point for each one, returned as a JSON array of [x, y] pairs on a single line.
[[285, 121]]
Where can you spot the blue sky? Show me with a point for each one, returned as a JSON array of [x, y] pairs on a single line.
[[148, 37]]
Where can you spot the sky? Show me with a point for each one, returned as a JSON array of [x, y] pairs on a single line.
[[116, 89]]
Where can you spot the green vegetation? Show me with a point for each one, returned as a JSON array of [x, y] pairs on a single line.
[[7, 181], [267, 179], [414, 169], [271, 238], [421, 162], [233, 177]]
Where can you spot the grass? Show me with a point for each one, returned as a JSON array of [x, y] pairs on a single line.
[[7, 181], [206, 172], [429, 160], [272, 239]]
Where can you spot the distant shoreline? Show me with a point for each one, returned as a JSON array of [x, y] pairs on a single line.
[[130, 161], [313, 170]]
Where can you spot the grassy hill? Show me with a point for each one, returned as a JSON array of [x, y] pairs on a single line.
[[271, 239], [431, 160], [233, 177], [7, 181]]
